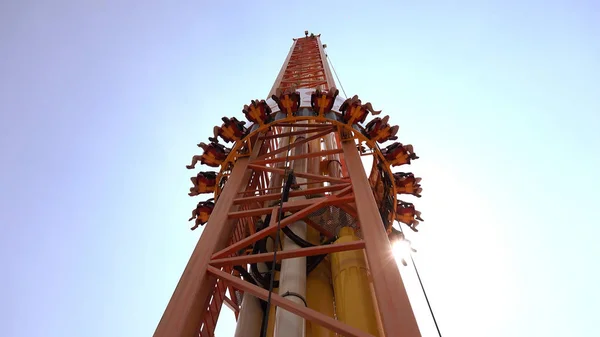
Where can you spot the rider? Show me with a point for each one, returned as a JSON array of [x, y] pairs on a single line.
[[204, 182], [214, 154], [257, 112], [397, 154], [288, 101], [202, 212], [379, 130], [322, 101], [407, 214], [232, 130], [407, 183]]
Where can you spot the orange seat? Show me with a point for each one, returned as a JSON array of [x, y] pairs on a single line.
[[322, 101], [373, 127], [214, 155], [232, 130], [380, 131], [405, 213], [204, 182], [257, 112], [288, 102], [406, 183], [354, 113], [208, 178], [396, 155], [202, 212], [201, 188]]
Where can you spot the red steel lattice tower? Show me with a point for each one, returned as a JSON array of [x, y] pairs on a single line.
[[296, 220]]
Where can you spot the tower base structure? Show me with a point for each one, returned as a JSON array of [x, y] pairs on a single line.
[[295, 215]]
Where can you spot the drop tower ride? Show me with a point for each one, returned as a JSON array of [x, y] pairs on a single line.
[[296, 239]]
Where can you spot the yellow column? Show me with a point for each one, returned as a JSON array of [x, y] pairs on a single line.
[[353, 297], [319, 292]]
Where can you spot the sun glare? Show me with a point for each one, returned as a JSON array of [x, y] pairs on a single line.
[[401, 251]]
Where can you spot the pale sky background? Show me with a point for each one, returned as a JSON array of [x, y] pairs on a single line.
[[102, 103]]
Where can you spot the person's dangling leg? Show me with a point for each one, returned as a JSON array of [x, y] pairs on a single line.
[[418, 216], [193, 215], [195, 160]]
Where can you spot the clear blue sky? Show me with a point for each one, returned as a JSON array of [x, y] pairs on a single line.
[[102, 103]]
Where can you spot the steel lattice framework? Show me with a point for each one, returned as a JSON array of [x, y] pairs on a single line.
[[303, 109]]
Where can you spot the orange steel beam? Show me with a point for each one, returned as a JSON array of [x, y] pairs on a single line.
[[265, 180], [229, 302], [300, 252], [294, 133], [303, 74], [306, 313], [316, 205], [304, 66], [315, 126], [298, 143], [345, 191], [302, 84], [274, 215], [254, 182], [328, 74], [275, 196], [264, 190], [394, 306], [282, 71], [291, 206], [272, 161], [339, 145], [184, 312], [301, 156], [316, 177]]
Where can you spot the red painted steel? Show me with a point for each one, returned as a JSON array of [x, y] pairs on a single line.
[[231, 230], [305, 68]]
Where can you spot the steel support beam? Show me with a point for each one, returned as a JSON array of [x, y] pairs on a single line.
[[394, 306], [184, 313]]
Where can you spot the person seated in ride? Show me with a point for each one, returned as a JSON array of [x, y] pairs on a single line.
[[386, 133], [287, 100], [397, 154], [380, 131], [406, 183], [322, 101], [204, 182], [214, 154], [232, 130], [257, 112], [202, 212], [407, 214], [414, 189], [354, 112]]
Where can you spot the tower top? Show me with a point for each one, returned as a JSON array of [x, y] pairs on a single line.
[[305, 67], [307, 35]]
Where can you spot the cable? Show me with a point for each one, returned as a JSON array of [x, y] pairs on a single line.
[[247, 277], [284, 195], [336, 76], [426, 298], [424, 292]]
